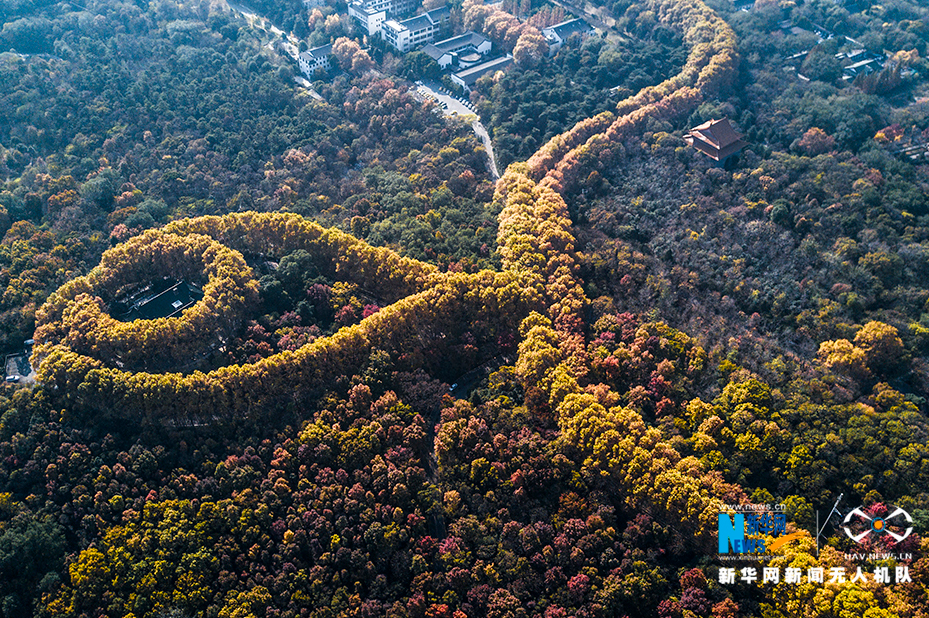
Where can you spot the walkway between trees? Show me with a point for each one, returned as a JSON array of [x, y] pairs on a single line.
[[287, 40], [452, 106]]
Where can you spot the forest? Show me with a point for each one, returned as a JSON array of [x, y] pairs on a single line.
[[411, 391]]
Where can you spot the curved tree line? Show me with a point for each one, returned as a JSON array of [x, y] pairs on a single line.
[[76, 315], [540, 276], [535, 235], [615, 445], [540, 273], [710, 67], [80, 349], [539, 294]]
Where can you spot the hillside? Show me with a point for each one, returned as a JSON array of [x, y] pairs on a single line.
[[409, 391]]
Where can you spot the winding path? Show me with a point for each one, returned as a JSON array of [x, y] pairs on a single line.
[[455, 107], [287, 40]]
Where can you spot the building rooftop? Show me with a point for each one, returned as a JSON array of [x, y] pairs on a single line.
[[469, 76], [715, 138], [166, 304], [454, 44], [468, 39], [321, 51], [862, 63], [439, 14], [433, 52], [569, 28], [361, 8], [419, 22]]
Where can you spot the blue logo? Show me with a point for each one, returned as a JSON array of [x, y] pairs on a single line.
[[745, 533]]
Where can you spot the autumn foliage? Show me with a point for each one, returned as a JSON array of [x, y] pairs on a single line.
[[521, 38], [709, 69], [342, 473], [80, 348]]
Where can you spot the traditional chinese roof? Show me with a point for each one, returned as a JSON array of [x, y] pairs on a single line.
[[462, 41], [716, 139], [433, 52]]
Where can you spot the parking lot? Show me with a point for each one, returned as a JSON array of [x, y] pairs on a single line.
[[454, 106]]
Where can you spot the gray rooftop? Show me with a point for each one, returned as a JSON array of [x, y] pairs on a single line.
[[468, 39], [570, 27], [420, 22], [469, 76], [433, 52], [437, 15], [361, 8], [321, 52]]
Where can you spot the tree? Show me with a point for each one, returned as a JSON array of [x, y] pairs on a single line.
[[350, 56], [815, 142], [361, 63], [882, 348], [530, 49], [418, 65], [821, 66], [31, 554]]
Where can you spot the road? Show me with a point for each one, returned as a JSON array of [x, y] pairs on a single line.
[[288, 41], [452, 106], [429, 90], [597, 16]]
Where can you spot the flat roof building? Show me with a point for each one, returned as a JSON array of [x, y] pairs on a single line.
[[416, 31], [468, 77], [370, 15], [369, 20]]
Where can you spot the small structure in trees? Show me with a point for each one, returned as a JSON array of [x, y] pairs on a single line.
[[149, 303], [716, 139], [315, 59], [557, 35]]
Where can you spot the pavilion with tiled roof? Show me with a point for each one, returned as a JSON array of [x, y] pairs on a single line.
[[716, 139]]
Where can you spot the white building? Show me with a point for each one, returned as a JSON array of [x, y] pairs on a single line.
[[462, 51], [316, 58], [371, 14], [468, 77], [369, 20], [415, 31], [559, 33]]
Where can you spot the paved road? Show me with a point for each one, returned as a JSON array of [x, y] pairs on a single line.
[[452, 106], [596, 16], [429, 90], [289, 43]]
